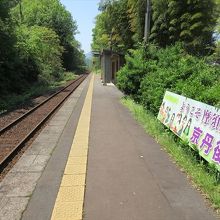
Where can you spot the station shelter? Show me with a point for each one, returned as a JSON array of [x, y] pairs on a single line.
[[111, 62]]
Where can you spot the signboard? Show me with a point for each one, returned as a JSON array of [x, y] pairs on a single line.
[[194, 122]]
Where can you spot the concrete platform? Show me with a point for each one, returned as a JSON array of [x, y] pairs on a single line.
[[128, 176], [46, 158]]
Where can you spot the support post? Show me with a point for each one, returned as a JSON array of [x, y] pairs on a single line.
[[147, 21]]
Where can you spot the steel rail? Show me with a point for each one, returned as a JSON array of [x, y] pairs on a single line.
[[4, 162], [8, 126]]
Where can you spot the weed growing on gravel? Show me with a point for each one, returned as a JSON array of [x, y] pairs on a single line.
[[11, 101]]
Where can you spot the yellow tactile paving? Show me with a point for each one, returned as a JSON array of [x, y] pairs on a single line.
[[80, 140], [73, 211], [70, 194], [79, 147], [77, 160], [73, 180], [69, 201], [75, 169], [79, 152], [78, 143]]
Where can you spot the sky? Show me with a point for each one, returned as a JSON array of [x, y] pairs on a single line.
[[84, 13]]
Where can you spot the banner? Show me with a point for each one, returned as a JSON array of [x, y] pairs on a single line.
[[194, 122]]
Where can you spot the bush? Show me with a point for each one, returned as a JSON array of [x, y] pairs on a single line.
[[130, 76], [169, 69]]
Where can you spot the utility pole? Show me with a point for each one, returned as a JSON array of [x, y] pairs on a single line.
[[147, 21]]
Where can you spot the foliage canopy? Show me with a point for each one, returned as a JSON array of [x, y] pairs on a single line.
[[120, 25], [37, 43]]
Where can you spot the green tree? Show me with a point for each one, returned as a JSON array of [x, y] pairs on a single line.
[[101, 37], [217, 35], [189, 21], [136, 13], [112, 28], [7, 36], [160, 33], [12, 67], [48, 13], [43, 46], [53, 15]]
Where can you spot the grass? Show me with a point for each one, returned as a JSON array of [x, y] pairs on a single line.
[[97, 71], [203, 176], [67, 76], [11, 101]]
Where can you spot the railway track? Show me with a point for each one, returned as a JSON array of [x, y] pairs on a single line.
[[14, 135]]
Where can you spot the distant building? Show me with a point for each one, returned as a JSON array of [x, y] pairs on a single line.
[[111, 62]]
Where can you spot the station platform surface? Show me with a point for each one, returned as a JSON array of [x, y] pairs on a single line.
[[95, 162]]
